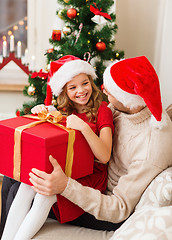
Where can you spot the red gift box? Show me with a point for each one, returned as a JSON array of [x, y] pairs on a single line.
[[37, 143], [56, 35]]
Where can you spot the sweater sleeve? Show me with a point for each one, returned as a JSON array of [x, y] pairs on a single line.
[[118, 206]]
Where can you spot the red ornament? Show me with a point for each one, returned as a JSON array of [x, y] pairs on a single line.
[[50, 50], [18, 113], [102, 87], [56, 35], [71, 13], [100, 46]]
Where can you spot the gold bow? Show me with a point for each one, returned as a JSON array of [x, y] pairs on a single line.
[[53, 117]]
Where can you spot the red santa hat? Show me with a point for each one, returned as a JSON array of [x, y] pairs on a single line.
[[134, 82], [64, 69]]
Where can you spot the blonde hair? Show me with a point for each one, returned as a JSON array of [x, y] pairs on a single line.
[[66, 106]]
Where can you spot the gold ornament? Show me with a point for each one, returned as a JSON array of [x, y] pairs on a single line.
[[67, 30], [47, 67], [88, 41], [60, 13], [117, 54], [31, 90], [54, 102], [66, 1]]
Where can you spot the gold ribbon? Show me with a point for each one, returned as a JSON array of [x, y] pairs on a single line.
[[54, 118]]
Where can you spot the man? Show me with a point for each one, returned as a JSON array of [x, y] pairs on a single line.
[[141, 148]]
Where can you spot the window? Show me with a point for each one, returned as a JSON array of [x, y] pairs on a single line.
[[13, 22]]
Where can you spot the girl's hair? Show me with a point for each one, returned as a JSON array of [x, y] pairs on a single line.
[[66, 106]]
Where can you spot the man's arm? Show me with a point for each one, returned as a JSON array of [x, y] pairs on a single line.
[[114, 208]]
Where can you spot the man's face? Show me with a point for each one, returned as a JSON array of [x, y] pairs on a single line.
[[117, 105], [111, 99]]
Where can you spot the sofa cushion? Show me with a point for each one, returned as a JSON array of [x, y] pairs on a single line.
[[149, 223], [56, 231], [159, 192], [152, 218]]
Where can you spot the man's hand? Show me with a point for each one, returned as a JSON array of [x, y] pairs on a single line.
[[49, 184]]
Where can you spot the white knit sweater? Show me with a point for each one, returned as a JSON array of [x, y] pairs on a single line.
[[140, 152]]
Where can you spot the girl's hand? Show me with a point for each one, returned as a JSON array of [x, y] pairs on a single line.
[[49, 184], [39, 108], [75, 122]]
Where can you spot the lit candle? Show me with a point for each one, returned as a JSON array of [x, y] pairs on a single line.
[[19, 49], [4, 49], [26, 56], [12, 43], [32, 65], [1, 59]]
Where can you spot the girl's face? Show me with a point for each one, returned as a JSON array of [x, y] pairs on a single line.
[[79, 90]]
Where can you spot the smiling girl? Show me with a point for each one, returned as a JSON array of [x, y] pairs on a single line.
[[72, 80]]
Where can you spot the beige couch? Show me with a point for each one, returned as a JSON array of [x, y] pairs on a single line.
[[151, 220]]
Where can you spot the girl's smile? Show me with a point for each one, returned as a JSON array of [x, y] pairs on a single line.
[[82, 96], [79, 90]]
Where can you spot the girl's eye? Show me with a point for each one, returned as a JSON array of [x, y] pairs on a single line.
[[71, 88], [85, 83]]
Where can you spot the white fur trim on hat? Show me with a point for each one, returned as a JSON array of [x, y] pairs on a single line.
[[67, 71], [128, 100], [160, 124]]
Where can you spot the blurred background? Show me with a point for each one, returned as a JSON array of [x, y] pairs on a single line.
[[144, 28]]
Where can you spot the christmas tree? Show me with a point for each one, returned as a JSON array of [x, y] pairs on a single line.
[[86, 30]]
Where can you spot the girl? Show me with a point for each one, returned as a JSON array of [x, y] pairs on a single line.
[[71, 79]]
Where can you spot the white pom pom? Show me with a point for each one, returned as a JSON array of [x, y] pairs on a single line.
[[159, 124]]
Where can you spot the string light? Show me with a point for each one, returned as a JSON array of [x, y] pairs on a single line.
[[14, 25], [21, 22], [10, 33], [4, 38], [15, 28]]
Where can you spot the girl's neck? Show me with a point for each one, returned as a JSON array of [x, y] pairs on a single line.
[[80, 108]]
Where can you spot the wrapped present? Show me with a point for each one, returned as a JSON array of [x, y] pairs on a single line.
[[56, 35], [26, 143]]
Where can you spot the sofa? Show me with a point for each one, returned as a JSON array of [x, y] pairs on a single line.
[[151, 219]]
